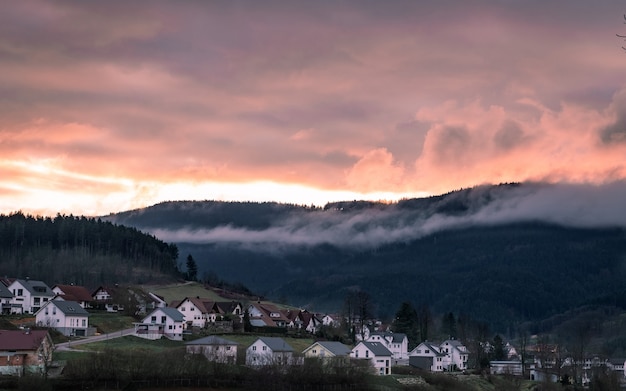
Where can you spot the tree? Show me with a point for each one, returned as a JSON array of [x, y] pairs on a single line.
[[448, 325], [498, 348], [192, 269], [424, 319], [407, 322], [357, 309], [623, 36]]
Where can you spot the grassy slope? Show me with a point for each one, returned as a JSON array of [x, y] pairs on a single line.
[[181, 290]]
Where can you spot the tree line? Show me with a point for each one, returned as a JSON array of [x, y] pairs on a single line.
[[81, 250]]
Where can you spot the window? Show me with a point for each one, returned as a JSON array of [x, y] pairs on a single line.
[[54, 310], [254, 348], [20, 292], [264, 348], [182, 308], [426, 351], [227, 347], [367, 353], [153, 319], [84, 323], [163, 319]]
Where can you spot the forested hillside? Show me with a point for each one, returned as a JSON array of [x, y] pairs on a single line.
[[84, 251], [503, 254]]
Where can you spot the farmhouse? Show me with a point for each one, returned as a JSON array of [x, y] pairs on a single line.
[[25, 351]]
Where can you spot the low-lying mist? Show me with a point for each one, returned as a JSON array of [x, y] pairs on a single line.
[[581, 206]]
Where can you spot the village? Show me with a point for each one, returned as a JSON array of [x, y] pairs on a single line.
[[66, 310]]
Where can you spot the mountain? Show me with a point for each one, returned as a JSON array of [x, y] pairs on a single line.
[[503, 254]]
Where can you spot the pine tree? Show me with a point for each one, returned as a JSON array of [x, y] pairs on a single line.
[[192, 269]]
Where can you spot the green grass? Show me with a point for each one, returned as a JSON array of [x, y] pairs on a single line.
[[180, 291], [130, 342], [108, 322]]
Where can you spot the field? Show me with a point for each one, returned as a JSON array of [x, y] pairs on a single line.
[[182, 290]]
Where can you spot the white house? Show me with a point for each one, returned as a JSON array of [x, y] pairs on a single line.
[[427, 356], [76, 293], [30, 295], [214, 349], [5, 300], [327, 349], [331, 320], [161, 322], [397, 343], [456, 355], [377, 353], [196, 310], [67, 317], [269, 351]]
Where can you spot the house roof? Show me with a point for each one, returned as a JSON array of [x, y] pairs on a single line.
[[276, 344], [206, 306], [68, 307], [335, 347], [211, 340], [395, 337], [258, 322], [108, 289], [74, 292], [434, 348], [267, 310], [171, 312], [36, 287], [377, 348], [455, 344], [21, 339], [227, 307], [5, 292]]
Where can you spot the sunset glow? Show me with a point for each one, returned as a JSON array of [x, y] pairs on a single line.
[[110, 106]]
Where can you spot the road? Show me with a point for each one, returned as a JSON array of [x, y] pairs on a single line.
[[102, 337]]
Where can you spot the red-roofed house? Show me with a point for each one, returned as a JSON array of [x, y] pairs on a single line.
[[267, 315], [76, 293], [25, 351], [196, 310]]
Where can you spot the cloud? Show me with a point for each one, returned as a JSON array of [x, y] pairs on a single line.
[[352, 96], [581, 206]]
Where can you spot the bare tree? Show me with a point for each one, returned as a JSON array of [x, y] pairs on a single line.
[[623, 36]]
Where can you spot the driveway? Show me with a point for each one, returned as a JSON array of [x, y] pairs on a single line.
[[102, 337]]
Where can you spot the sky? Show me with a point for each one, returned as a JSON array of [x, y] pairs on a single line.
[[116, 105]]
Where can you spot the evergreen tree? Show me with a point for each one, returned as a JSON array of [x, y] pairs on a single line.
[[192, 269], [498, 348], [406, 321], [448, 325]]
